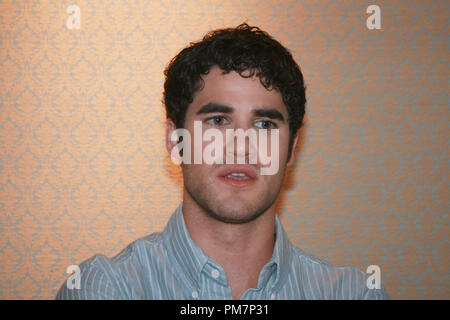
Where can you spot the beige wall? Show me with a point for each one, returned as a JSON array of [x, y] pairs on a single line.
[[83, 168]]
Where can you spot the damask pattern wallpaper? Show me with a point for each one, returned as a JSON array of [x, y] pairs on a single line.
[[83, 165]]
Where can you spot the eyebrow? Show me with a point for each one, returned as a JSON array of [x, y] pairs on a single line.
[[215, 107], [269, 113]]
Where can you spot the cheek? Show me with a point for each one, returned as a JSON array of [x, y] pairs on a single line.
[[273, 150], [283, 144], [197, 174]]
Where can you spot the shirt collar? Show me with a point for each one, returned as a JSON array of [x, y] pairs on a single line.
[[188, 256], [191, 259], [282, 254]]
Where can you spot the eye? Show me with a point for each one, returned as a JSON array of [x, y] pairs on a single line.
[[265, 124], [217, 120]]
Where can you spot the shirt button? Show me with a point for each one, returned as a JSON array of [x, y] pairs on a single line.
[[215, 273], [194, 294]]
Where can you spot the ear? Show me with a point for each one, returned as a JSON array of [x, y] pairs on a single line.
[[170, 128], [291, 159]]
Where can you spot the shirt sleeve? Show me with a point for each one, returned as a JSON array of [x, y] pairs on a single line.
[[371, 293], [352, 285], [375, 294], [98, 281]]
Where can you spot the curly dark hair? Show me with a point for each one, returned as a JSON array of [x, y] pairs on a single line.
[[246, 50]]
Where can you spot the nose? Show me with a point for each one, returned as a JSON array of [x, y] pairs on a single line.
[[241, 145]]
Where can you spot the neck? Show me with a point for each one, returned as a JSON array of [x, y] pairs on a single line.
[[241, 249]]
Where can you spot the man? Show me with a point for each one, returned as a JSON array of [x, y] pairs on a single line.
[[225, 241]]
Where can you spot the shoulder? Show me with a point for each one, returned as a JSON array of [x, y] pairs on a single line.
[[322, 280], [100, 277]]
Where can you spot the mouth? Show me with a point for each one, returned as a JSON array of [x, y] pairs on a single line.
[[238, 175]]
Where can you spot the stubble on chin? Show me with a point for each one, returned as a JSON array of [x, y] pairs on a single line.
[[229, 210]]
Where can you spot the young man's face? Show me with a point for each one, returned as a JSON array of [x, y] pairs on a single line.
[[236, 193]]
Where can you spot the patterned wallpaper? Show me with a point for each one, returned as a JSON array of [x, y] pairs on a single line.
[[84, 170]]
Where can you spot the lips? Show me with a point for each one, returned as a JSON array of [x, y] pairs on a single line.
[[238, 175]]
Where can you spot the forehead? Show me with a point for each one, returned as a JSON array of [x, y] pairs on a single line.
[[237, 92]]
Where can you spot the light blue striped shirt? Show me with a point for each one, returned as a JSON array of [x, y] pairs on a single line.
[[169, 265]]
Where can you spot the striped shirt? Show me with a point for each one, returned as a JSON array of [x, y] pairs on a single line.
[[169, 265]]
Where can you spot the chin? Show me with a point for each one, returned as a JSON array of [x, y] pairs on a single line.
[[234, 217], [228, 204], [236, 212]]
